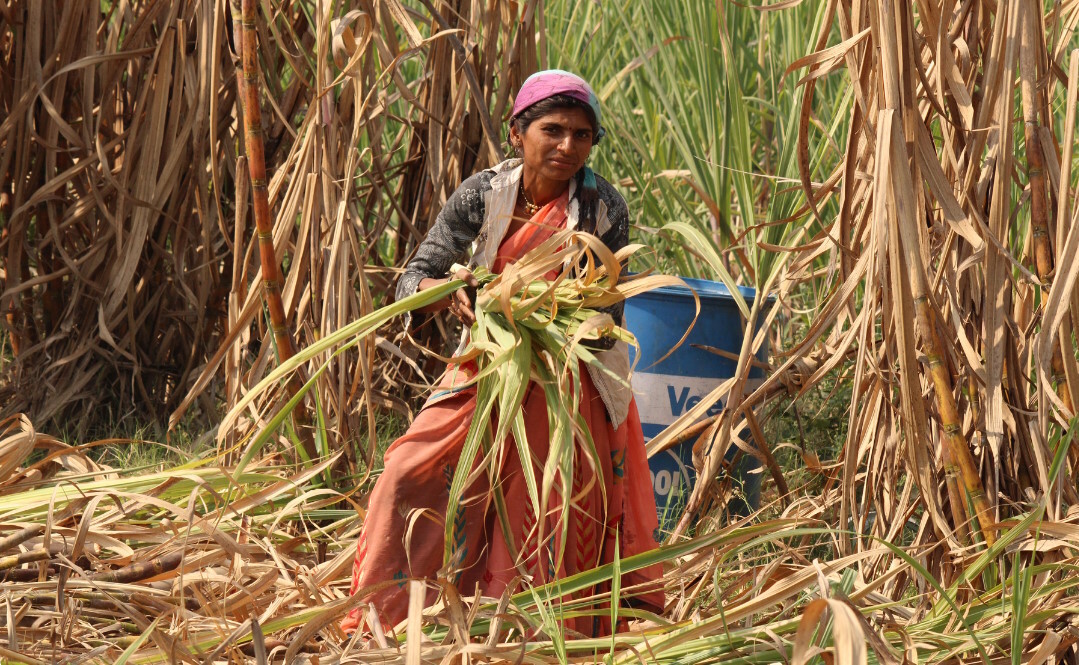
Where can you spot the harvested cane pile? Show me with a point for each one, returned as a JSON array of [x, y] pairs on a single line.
[[210, 564]]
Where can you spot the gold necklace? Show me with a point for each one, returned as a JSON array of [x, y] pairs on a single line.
[[532, 208]]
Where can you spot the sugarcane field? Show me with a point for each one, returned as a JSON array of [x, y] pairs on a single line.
[[539, 331]]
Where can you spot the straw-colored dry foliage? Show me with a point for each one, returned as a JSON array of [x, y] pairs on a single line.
[[201, 563], [909, 164], [131, 278]]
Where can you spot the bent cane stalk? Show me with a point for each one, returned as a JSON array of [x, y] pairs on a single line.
[[958, 462], [1040, 209], [956, 452], [271, 274]]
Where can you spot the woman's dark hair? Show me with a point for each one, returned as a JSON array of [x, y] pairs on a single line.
[[556, 102]]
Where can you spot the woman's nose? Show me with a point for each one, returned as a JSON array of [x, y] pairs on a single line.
[[566, 144]]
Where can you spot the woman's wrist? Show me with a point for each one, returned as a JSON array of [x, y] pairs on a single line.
[[460, 302], [430, 283]]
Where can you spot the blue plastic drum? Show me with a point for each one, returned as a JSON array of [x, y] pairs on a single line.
[[665, 390]]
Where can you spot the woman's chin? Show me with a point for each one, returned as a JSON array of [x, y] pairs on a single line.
[[560, 172]]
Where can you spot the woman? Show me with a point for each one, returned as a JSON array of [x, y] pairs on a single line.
[[504, 212]]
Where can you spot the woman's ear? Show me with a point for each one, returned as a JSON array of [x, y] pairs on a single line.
[[515, 137]]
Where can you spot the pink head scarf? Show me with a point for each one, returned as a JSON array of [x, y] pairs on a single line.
[[551, 82]]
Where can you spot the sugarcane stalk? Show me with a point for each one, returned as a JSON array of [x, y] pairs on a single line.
[[104, 601], [1039, 204], [256, 163], [958, 460], [237, 41], [27, 574], [19, 559], [1043, 252], [249, 649], [142, 570], [11, 315], [957, 467], [94, 599], [1040, 210], [21, 536]]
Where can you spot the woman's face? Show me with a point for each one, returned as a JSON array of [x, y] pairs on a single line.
[[556, 145]]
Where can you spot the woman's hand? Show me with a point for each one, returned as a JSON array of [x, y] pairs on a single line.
[[458, 302]]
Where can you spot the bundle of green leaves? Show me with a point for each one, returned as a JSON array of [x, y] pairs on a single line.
[[529, 330], [532, 330]]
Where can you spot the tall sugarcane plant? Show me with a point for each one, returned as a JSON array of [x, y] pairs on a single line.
[[247, 43], [368, 125], [922, 268]]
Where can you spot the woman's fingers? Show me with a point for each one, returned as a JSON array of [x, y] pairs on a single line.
[[462, 308], [467, 277], [461, 301]]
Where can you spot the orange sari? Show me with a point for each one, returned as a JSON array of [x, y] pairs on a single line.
[[403, 535]]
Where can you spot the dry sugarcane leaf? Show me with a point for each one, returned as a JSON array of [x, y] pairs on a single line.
[[832, 53], [935, 178], [849, 648]]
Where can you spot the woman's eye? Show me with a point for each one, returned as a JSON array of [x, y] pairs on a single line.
[[551, 130], [584, 135]]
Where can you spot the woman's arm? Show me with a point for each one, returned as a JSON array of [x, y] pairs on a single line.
[[615, 238], [447, 242]]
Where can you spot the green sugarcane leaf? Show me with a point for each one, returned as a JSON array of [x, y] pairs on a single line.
[[336, 342], [486, 396], [139, 641], [702, 246]]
